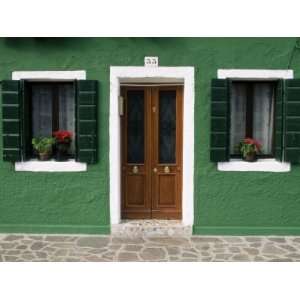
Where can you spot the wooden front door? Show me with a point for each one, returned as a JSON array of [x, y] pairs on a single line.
[[152, 152]]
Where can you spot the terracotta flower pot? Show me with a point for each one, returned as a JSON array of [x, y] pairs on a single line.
[[44, 156], [62, 151], [250, 157]]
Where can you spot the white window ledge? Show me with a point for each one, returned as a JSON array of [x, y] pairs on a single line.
[[261, 165], [50, 166]]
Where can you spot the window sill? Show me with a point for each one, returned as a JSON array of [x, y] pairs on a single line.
[[261, 165], [50, 166]]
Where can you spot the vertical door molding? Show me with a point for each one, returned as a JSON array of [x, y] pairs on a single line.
[[167, 185]]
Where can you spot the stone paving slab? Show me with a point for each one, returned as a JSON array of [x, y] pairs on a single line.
[[18, 247]]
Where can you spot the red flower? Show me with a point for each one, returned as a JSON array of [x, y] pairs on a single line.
[[252, 142], [63, 136]]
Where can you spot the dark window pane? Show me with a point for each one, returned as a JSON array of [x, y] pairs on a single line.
[[167, 127], [263, 115], [42, 110], [238, 115], [53, 108], [135, 127], [252, 114], [66, 100]]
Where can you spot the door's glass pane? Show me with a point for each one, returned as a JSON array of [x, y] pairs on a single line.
[[135, 127], [167, 127]]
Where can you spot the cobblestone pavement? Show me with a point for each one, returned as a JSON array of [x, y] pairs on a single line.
[[112, 248]]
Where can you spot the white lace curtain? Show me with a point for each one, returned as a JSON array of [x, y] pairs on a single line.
[[67, 110], [263, 115], [42, 110]]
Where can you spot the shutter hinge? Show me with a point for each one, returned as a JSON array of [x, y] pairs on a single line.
[[121, 106], [283, 125], [22, 82]]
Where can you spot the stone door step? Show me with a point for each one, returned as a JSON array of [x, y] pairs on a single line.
[[151, 228]]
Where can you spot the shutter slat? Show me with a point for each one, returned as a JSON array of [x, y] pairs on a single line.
[[292, 121], [219, 139], [86, 134], [11, 99]]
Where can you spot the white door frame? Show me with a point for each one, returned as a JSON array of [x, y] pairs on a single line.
[[183, 75]]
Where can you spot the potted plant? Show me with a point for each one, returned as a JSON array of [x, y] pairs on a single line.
[[63, 139], [249, 148], [43, 146]]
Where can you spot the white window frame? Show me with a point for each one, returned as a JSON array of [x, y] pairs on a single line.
[[183, 75], [50, 166], [261, 165]]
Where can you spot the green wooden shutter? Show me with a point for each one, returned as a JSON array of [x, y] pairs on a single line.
[[279, 121], [219, 138], [292, 120], [86, 121], [11, 116]]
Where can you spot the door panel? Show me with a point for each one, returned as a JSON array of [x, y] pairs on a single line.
[[136, 202], [167, 153], [152, 152], [166, 190], [136, 188]]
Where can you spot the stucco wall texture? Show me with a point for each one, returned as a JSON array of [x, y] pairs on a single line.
[[225, 202]]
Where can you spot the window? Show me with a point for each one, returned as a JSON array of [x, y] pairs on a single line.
[[32, 108], [51, 108], [252, 107], [262, 104]]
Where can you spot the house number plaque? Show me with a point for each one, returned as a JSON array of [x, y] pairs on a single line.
[[151, 61]]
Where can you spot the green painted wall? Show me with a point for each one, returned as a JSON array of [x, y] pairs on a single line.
[[225, 202]]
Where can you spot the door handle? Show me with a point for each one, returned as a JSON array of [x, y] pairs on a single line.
[[154, 170], [166, 169], [135, 169]]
